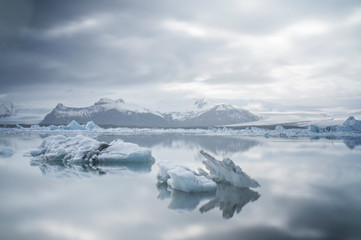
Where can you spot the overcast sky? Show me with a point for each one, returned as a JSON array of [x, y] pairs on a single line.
[[298, 53]]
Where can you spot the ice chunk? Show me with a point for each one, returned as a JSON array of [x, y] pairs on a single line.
[[6, 152], [314, 128], [92, 126], [119, 150], [81, 148], [60, 169], [227, 171], [184, 179], [74, 125], [78, 148], [352, 124]]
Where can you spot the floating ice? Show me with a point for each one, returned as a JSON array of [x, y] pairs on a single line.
[[126, 152], [91, 126], [352, 124], [184, 179], [81, 148], [78, 148], [74, 125], [226, 171], [6, 152], [60, 169]]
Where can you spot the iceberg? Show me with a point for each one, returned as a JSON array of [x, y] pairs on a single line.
[[226, 171], [73, 125], [127, 152], [6, 152], [186, 180], [78, 148], [351, 124], [85, 149], [60, 169], [92, 126], [183, 179]]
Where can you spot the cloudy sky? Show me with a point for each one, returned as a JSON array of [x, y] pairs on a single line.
[[297, 53]]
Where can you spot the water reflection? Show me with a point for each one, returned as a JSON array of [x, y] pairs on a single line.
[[62, 169], [228, 198], [351, 143], [216, 145]]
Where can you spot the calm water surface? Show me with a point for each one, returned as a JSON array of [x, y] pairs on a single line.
[[310, 189]]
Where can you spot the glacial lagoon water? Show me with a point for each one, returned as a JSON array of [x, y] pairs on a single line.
[[310, 189]]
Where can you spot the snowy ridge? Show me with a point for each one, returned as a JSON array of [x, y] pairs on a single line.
[[119, 113]]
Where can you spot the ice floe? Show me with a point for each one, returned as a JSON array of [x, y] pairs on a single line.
[[226, 171], [186, 180], [78, 148], [82, 148], [127, 152]]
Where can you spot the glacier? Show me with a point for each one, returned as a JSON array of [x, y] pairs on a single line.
[[351, 128], [84, 149], [184, 179]]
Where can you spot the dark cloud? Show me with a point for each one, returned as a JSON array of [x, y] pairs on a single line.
[[127, 45]]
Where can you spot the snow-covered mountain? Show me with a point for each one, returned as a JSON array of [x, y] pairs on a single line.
[[119, 113], [105, 112], [206, 114], [6, 109]]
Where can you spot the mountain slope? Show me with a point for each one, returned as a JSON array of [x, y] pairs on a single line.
[[105, 112], [119, 113]]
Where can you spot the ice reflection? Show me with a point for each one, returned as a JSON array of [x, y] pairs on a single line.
[[63, 169], [351, 143], [217, 145], [229, 199]]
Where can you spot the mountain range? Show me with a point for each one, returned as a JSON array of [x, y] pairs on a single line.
[[119, 113]]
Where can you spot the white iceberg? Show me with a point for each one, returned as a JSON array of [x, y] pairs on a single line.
[[92, 126], [184, 179], [226, 171], [81, 148], [126, 151], [78, 148], [6, 152], [351, 124]]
